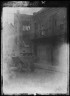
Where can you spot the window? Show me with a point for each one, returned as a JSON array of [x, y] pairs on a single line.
[[61, 26], [42, 30], [36, 29], [26, 28]]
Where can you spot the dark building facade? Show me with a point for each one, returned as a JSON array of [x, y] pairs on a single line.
[[50, 21], [23, 25], [50, 28], [42, 33]]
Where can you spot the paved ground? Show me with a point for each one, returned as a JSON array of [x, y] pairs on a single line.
[[39, 81], [53, 80]]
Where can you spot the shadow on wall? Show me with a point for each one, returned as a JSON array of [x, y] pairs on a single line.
[[58, 45], [60, 56]]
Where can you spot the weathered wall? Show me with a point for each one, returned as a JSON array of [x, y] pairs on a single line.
[[61, 57], [44, 53], [22, 20], [8, 40], [53, 21], [9, 47]]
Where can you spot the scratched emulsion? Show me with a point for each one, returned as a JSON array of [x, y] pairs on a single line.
[[36, 53]]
